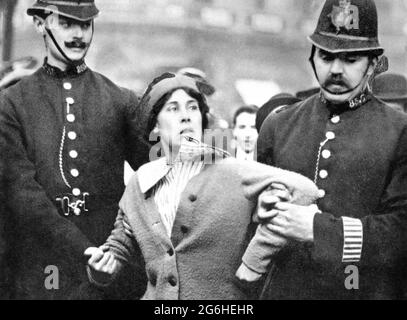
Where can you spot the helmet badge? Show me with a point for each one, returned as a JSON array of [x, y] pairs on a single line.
[[345, 16]]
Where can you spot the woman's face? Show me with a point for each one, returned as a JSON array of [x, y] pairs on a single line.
[[179, 117]]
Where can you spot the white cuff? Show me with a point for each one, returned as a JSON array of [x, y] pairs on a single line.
[[352, 240]]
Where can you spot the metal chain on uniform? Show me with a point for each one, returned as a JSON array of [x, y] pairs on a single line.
[[61, 165], [321, 145], [352, 104]]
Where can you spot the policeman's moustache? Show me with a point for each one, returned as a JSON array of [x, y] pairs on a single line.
[[349, 90]]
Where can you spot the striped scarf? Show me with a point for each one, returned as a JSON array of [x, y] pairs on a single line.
[[192, 157]]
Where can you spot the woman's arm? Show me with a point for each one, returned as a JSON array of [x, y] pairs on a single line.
[[106, 261]]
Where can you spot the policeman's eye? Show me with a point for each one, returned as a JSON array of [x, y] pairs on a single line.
[[352, 59], [86, 25], [64, 23], [327, 57]]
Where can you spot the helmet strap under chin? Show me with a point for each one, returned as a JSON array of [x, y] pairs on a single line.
[[70, 62]]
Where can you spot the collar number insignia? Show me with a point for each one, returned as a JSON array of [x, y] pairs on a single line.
[[345, 16]]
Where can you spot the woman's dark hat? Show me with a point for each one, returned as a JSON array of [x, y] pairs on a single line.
[[279, 100], [347, 26], [390, 87], [82, 10]]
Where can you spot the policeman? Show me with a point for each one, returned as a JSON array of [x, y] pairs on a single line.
[[67, 131], [352, 244]]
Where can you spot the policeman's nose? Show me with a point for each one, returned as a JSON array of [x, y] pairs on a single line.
[[337, 67], [77, 32]]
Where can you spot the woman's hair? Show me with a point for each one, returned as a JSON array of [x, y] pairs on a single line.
[[157, 107]]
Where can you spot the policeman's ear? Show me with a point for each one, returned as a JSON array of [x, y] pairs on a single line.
[[39, 24], [373, 61]]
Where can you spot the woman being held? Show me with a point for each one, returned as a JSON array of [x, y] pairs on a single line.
[[188, 216]]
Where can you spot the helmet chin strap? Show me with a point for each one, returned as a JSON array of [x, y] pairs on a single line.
[[350, 90], [311, 59], [69, 60]]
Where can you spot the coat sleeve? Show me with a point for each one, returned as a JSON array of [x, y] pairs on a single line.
[[257, 178], [27, 201], [137, 149], [378, 239], [131, 278], [121, 241]]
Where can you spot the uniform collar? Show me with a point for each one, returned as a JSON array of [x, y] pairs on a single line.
[[353, 104], [70, 72]]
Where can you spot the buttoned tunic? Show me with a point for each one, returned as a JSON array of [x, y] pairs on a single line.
[[358, 158], [64, 134]]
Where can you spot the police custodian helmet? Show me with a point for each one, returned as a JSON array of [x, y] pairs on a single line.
[[82, 10], [347, 26]]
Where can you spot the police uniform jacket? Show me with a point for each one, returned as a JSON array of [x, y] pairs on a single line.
[[64, 133], [358, 158]]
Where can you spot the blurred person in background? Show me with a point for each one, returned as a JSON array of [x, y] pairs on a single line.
[[188, 214], [274, 105], [245, 133], [352, 245], [392, 89], [14, 71], [67, 132], [304, 94]]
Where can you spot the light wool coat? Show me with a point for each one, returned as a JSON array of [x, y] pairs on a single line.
[[211, 231]]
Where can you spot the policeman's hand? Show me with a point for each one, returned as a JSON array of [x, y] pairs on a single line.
[[294, 222], [265, 204], [246, 274], [102, 265]]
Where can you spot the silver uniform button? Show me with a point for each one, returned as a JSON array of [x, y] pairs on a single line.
[[326, 154], [323, 174], [67, 86], [330, 135], [70, 117], [336, 119], [76, 192], [73, 154], [70, 100], [72, 135], [321, 193], [74, 173]]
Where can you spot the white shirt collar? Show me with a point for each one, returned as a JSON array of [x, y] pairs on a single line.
[[241, 155], [151, 173]]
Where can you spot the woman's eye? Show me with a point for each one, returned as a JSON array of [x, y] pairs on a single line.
[[194, 107], [172, 108]]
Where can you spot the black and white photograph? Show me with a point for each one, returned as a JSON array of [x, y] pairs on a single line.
[[233, 151]]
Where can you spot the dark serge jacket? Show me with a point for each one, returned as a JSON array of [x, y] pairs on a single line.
[[362, 174], [82, 125]]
